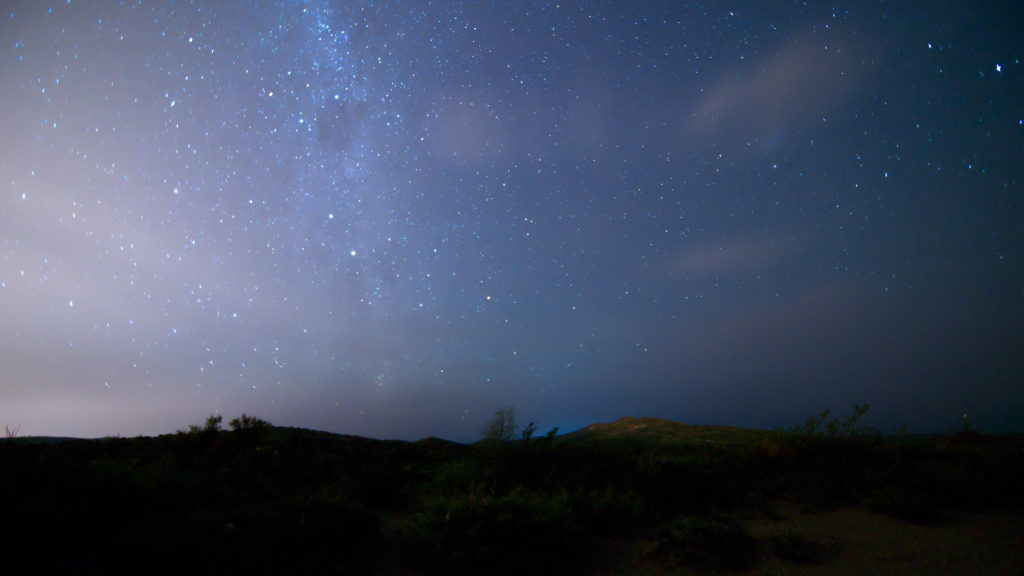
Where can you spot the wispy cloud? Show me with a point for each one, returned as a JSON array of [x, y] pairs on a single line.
[[735, 255], [783, 92]]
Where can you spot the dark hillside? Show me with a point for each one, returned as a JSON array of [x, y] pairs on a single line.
[[657, 430], [682, 498]]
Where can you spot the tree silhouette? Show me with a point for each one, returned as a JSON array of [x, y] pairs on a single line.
[[501, 426]]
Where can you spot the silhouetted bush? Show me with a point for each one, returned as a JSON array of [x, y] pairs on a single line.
[[608, 511], [246, 422], [800, 549], [518, 533], [918, 481], [697, 483], [824, 462], [301, 501], [819, 426], [249, 429], [206, 433], [212, 424], [711, 541], [502, 426]]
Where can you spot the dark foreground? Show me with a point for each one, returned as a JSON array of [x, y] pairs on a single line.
[[645, 495]]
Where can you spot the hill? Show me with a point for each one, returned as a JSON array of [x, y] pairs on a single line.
[[660, 431], [638, 495]]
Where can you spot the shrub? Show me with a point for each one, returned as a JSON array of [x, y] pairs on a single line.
[[520, 532], [501, 426], [711, 541], [827, 462], [798, 548], [689, 485], [246, 422], [213, 423], [818, 426], [608, 511], [211, 426], [461, 478]]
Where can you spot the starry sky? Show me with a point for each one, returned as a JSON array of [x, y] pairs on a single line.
[[391, 218]]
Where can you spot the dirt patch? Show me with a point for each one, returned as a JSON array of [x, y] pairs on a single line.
[[853, 541], [870, 543]]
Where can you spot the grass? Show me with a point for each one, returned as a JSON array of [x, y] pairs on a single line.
[[263, 499]]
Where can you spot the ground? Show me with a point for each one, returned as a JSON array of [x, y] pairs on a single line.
[[865, 543]]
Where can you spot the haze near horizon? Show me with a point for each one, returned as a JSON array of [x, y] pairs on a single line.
[[390, 219]]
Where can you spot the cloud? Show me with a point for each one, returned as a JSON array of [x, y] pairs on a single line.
[[779, 94], [730, 256], [740, 253]]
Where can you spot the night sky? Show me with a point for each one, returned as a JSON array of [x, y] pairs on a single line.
[[391, 218]]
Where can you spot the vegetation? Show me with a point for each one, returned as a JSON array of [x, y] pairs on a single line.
[[708, 541], [245, 422], [211, 426], [257, 499], [800, 549]]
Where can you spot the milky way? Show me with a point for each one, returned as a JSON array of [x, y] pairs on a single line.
[[391, 218]]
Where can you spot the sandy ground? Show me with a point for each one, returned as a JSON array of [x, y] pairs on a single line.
[[869, 543], [866, 543]]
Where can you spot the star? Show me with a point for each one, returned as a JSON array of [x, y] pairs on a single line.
[[705, 218]]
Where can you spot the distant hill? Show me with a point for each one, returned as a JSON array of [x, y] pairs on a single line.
[[46, 439], [658, 430], [634, 496]]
